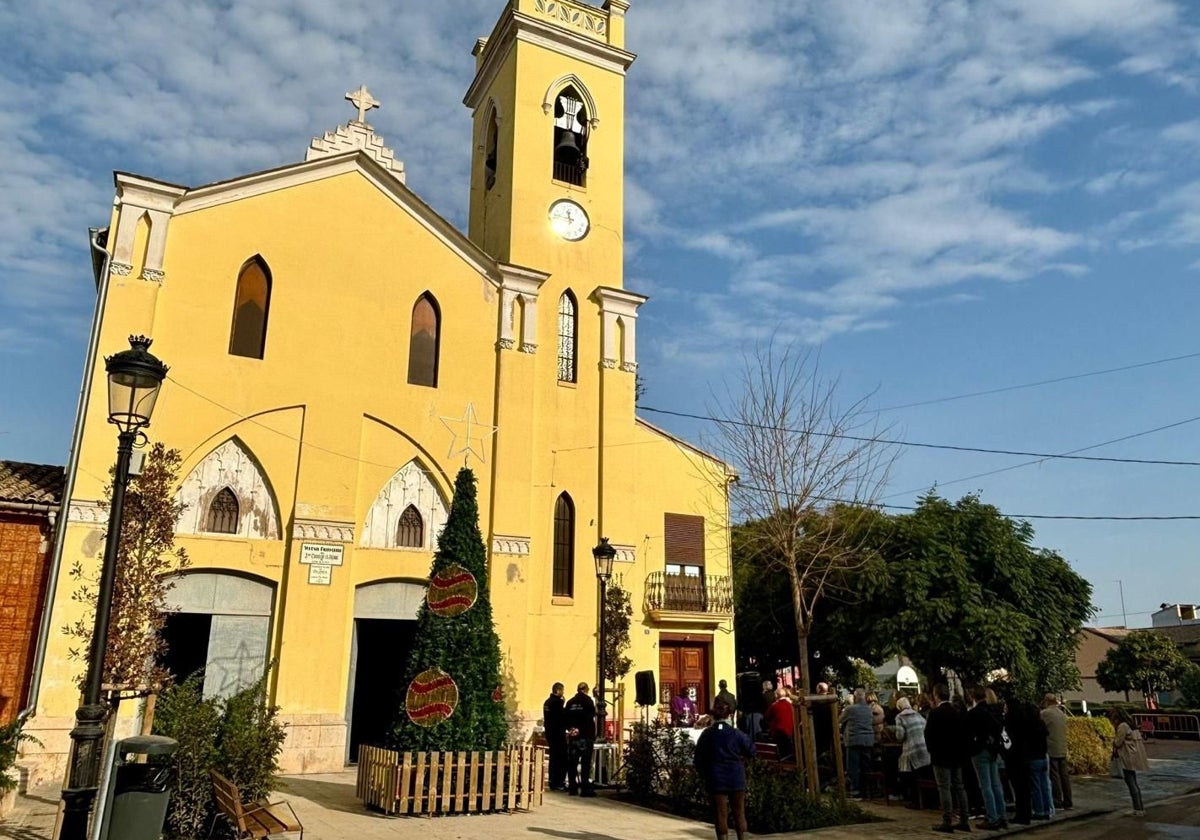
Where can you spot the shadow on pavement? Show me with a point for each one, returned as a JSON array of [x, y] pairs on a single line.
[[333, 796]]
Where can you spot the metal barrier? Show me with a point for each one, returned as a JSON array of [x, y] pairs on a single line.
[[1168, 724]]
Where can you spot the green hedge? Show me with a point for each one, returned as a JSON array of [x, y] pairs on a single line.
[[1089, 745]]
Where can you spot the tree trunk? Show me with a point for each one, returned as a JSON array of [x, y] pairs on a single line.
[[802, 629]]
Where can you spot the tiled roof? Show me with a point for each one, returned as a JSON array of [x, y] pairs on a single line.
[[37, 483]]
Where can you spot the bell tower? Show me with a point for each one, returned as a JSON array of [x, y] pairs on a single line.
[[547, 167]]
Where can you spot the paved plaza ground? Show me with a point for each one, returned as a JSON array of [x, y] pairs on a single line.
[[329, 811]]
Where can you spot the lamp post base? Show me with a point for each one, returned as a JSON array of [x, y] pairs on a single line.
[[87, 739]]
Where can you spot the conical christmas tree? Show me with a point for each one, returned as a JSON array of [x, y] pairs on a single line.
[[453, 675]]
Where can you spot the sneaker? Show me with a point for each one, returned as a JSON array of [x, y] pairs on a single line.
[[944, 828], [588, 792], [1139, 813], [963, 826]]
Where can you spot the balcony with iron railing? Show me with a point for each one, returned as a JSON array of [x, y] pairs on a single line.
[[698, 600]]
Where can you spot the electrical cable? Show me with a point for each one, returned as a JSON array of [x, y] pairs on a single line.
[[1040, 456], [1040, 382]]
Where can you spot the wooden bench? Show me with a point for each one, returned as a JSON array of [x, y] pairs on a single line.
[[254, 819]]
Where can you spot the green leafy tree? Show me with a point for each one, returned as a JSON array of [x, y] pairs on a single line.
[[145, 560], [1189, 686], [618, 615], [958, 586], [1143, 661], [465, 646]]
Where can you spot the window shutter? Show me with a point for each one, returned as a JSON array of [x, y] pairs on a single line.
[[684, 539]]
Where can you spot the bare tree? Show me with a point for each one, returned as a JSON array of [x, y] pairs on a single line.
[[809, 470]]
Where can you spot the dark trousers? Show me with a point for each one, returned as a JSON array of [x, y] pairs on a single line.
[[951, 793], [1135, 792], [726, 805], [1060, 782], [1022, 785], [557, 747], [579, 765], [859, 759]]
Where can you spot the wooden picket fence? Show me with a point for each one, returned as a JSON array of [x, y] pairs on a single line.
[[451, 782]]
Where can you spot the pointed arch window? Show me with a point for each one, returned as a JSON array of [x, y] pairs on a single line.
[[564, 547], [568, 343], [424, 340], [223, 513], [570, 137], [491, 150], [251, 304], [410, 530]]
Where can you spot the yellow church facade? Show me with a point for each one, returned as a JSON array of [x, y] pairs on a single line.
[[338, 349]]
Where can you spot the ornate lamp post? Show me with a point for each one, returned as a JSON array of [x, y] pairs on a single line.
[[603, 555], [134, 377]]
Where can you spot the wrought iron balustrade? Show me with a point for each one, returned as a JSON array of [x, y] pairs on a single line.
[[707, 594]]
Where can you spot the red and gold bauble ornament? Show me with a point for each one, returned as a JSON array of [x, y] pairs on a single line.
[[432, 697], [452, 591]]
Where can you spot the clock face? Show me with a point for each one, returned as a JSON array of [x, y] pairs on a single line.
[[569, 220]]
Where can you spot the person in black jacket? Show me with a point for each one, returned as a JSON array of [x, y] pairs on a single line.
[[1027, 731], [579, 716], [556, 736], [721, 752], [946, 736], [985, 720]]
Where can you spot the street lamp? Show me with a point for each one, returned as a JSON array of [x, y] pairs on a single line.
[[134, 377], [603, 555]]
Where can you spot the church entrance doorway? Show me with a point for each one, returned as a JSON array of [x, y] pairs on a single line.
[[218, 623], [385, 624], [378, 689], [683, 662]]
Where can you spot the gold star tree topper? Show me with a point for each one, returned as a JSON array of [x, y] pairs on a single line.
[[468, 434]]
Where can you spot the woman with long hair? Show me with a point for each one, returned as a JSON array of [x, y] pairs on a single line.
[[1130, 751]]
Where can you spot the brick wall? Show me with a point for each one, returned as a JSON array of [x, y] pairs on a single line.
[[23, 568]]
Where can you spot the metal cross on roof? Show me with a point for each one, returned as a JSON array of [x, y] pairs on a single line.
[[363, 101]]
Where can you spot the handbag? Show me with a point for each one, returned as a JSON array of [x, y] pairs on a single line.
[[1115, 768]]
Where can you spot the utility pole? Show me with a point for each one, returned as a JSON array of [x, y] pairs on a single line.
[[1124, 619]]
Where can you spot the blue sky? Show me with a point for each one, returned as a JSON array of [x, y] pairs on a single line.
[[946, 197]]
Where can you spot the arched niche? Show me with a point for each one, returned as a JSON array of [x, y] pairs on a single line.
[[411, 485], [230, 466]]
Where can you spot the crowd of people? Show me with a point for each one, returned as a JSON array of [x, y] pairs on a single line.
[[961, 745]]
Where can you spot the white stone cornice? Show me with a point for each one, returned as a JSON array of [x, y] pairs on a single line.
[[618, 312], [519, 289], [120, 269], [502, 544], [286, 177], [513, 25], [625, 553], [608, 364], [153, 275], [88, 511], [319, 529], [505, 344]]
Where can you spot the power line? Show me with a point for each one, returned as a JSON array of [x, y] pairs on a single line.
[[1040, 382], [910, 508], [1040, 456], [1067, 454]]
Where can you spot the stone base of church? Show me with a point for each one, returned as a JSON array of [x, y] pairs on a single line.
[[44, 761], [315, 744]]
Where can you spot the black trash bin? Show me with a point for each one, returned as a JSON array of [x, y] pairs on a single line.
[[139, 792]]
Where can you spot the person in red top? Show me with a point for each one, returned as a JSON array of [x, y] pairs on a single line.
[[780, 723]]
